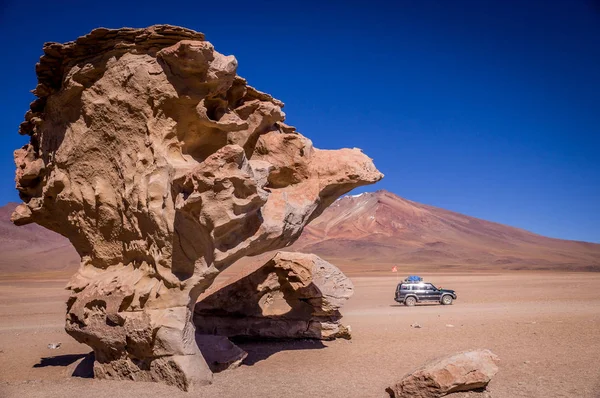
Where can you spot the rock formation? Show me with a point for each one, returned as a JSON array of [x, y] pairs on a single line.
[[294, 295], [465, 371], [219, 352], [162, 167]]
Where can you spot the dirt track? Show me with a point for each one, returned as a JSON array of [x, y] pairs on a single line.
[[544, 326]]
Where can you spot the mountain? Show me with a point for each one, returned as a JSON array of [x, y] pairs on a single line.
[[383, 228], [32, 248], [367, 232]]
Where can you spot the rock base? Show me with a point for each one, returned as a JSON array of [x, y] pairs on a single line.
[[183, 371]]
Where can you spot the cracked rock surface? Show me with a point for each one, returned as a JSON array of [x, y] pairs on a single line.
[[162, 167]]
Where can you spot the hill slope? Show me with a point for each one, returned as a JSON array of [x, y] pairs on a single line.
[[371, 231], [32, 248], [382, 227]]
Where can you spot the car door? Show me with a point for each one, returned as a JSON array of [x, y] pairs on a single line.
[[434, 294], [400, 291], [420, 292], [425, 292]]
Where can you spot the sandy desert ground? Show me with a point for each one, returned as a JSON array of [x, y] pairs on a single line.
[[545, 326]]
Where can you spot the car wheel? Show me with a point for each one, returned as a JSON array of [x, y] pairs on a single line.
[[410, 301], [447, 300]]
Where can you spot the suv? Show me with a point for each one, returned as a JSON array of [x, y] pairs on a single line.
[[411, 293]]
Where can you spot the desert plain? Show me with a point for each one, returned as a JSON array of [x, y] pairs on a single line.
[[544, 326]]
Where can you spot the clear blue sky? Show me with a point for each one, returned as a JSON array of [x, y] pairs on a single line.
[[488, 108]]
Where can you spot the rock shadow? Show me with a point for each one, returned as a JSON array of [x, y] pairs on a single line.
[[259, 350], [59, 360], [79, 365]]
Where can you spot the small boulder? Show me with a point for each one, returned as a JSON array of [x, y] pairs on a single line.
[[220, 353], [292, 296], [470, 370]]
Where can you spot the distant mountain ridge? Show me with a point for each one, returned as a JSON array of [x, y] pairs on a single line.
[[359, 232], [381, 227], [32, 247]]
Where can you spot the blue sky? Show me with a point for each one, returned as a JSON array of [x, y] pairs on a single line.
[[488, 108]]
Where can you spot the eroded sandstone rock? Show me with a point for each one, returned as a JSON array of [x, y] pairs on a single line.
[[470, 370], [294, 295], [162, 167]]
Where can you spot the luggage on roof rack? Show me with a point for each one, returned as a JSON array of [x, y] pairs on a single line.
[[414, 278]]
